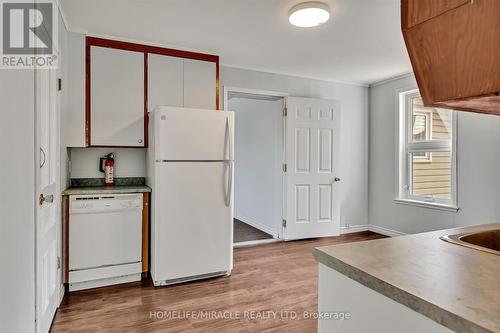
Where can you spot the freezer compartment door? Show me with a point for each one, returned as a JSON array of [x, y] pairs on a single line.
[[193, 225], [193, 134]]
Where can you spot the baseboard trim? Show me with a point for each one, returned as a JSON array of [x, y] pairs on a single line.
[[62, 292], [384, 231], [256, 242], [354, 228], [258, 225], [370, 227]]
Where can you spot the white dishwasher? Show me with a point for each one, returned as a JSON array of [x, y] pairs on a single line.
[[105, 240]]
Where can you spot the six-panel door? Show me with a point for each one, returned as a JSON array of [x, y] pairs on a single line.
[[312, 205]]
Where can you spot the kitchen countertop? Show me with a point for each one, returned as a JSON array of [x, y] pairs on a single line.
[[107, 189], [455, 286]]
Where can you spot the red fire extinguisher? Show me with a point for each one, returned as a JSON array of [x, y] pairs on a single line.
[[106, 165]]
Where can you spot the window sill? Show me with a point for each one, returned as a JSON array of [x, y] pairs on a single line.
[[430, 205]]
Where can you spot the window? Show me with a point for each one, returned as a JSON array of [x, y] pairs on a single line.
[[427, 159]]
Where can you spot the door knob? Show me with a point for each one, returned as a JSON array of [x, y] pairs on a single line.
[[45, 198], [336, 179]]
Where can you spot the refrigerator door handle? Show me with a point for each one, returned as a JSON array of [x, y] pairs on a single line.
[[230, 187], [228, 190]]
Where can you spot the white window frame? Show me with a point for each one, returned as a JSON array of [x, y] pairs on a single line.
[[407, 146]]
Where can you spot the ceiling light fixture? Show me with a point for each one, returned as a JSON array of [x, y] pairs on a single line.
[[309, 14]]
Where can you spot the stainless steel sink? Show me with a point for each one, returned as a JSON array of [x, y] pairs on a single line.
[[487, 241]]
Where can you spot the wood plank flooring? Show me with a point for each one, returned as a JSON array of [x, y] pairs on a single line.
[[243, 232], [274, 277]]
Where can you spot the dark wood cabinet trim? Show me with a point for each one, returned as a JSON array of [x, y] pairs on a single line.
[[66, 239], [87, 93], [217, 86], [115, 44], [145, 233], [142, 48], [146, 115]]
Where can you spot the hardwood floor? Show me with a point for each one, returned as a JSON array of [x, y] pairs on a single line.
[[274, 277], [243, 232]]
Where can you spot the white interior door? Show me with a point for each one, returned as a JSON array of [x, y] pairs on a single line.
[[312, 179], [48, 199]]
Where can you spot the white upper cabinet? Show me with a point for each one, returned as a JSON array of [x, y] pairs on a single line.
[[200, 84], [74, 112], [116, 113], [181, 82], [116, 97], [165, 81]]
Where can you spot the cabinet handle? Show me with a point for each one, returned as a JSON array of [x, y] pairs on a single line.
[[42, 154], [140, 140]]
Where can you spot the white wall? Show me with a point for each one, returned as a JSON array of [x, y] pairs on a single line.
[[258, 194], [478, 158], [129, 162], [354, 128], [17, 201]]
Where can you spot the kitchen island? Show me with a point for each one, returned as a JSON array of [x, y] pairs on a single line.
[[413, 283]]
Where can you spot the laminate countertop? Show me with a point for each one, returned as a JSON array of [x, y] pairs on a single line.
[[456, 286], [122, 189]]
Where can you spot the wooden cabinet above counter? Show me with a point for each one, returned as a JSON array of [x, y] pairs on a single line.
[[454, 48], [417, 12], [112, 85]]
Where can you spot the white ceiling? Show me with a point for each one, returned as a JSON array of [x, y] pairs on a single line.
[[361, 43]]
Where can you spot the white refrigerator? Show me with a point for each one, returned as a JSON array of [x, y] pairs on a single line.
[[190, 171]]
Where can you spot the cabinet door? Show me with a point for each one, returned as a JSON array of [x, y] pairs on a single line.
[[117, 97], [200, 82], [165, 81], [455, 55], [414, 12]]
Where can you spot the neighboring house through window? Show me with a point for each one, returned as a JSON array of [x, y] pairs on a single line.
[[427, 153]]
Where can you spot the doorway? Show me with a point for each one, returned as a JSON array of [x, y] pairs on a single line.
[[259, 151]]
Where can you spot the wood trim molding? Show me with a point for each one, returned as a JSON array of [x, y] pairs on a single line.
[[217, 85], [146, 115], [66, 239], [142, 48], [115, 44], [87, 93], [145, 233]]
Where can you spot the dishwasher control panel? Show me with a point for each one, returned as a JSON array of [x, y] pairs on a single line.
[[84, 204]]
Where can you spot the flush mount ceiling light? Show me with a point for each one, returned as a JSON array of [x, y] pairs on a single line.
[[309, 14]]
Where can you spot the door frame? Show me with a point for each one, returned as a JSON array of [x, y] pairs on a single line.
[[266, 93]]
